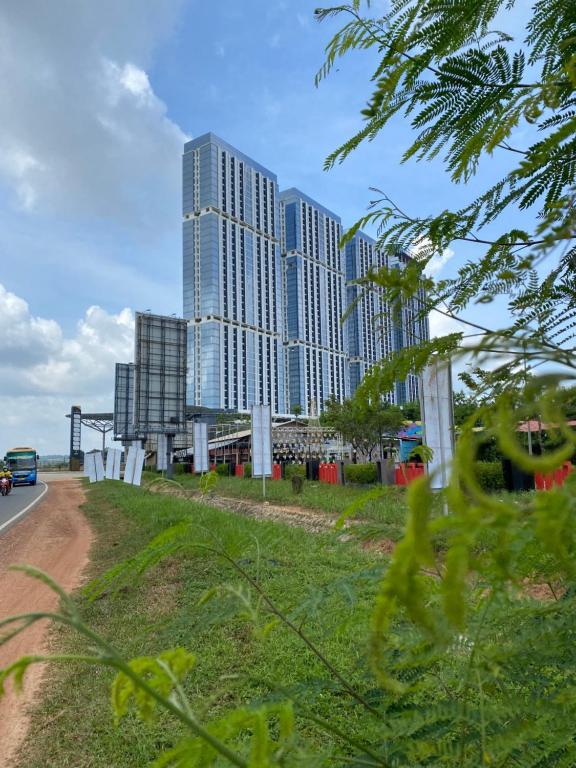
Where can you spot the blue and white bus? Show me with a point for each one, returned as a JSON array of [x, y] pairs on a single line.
[[23, 463]]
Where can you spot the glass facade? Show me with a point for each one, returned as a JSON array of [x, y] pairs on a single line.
[[232, 279], [374, 330], [315, 298], [265, 288]]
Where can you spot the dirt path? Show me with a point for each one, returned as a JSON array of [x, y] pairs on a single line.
[[312, 520], [55, 537]]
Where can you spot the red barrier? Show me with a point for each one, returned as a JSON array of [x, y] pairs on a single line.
[[239, 470], [544, 482], [276, 472], [328, 473], [405, 473]]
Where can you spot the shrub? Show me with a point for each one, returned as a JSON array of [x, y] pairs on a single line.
[[297, 483], [360, 473], [179, 469], [490, 476], [248, 470], [294, 470], [223, 469]]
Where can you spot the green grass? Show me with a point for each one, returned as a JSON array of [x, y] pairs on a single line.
[[325, 584], [389, 509]]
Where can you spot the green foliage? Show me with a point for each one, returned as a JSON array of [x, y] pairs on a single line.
[[421, 453], [290, 470], [467, 89], [223, 470], [363, 474], [464, 407], [163, 674], [179, 469], [208, 482], [244, 667], [248, 470], [365, 421], [411, 411], [490, 476], [454, 601], [297, 483]]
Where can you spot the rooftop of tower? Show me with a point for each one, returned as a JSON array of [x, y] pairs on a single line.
[[212, 138], [294, 192]]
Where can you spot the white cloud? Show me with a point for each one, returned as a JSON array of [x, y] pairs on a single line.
[[43, 372], [440, 325], [436, 261], [81, 129]]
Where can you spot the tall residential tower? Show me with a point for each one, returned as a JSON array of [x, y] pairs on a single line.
[[375, 331], [315, 298], [266, 286], [232, 279]]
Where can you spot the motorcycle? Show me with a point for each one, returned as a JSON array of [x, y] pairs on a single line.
[[5, 486]]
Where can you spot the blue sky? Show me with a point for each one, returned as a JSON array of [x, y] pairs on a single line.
[[95, 103]]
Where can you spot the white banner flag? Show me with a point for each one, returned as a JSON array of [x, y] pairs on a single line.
[[161, 459], [200, 446], [438, 419], [94, 466], [90, 467], [261, 441], [134, 465], [113, 458]]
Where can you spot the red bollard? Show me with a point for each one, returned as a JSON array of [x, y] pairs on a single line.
[[276, 472], [239, 470]]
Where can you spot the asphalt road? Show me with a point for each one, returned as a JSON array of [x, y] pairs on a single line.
[[20, 499]]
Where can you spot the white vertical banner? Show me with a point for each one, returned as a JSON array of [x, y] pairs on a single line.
[[138, 466], [113, 457], [99, 465], [94, 466], [438, 419], [161, 450], [130, 462], [90, 467], [261, 441], [134, 465], [200, 446]]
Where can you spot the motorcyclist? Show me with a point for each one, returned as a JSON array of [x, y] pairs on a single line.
[[5, 472]]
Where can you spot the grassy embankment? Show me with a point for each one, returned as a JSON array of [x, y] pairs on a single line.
[[324, 583], [388, 510]]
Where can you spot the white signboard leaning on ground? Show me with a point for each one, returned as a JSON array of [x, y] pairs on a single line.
[[438, 419], [200, 446], [261, 441], [94, 466], [113, 458], [134, 465]]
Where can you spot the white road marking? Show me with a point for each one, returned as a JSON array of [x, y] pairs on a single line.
[[23, 511]]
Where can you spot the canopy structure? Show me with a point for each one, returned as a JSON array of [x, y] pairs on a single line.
[[100, 422], [534, 425]]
